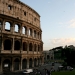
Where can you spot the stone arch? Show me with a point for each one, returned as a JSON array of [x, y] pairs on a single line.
[[17, 28], [34, 34], [7, 26], [35, 62], [30, 32], [30, 46], [24, 63], [6, 65], [23, 30], [38, 47], [17, 45], [38, 61], [16, 64], [48, 57], [30, 63], [7, 44], [24, 46]]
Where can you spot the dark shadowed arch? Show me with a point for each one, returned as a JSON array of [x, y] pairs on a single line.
[[16, 64], [6, 65], [30, 63], [24, 63], [17, 45], [24, 46], [7, 44]]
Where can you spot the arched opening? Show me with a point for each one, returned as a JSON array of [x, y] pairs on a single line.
[[30, 63], [7, 26], [17, 28], [24, 64], [34, 34], [23, 30], [48, 57], [16, 64], [35, 62], [7, 44], [34, 47], [30, 47], [30, 32], [24, 46], [38, 48], [38, 35], [6, 65], [17, 45], [38, 61]]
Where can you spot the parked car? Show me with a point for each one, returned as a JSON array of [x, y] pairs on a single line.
[[27, 71], [69, 68]]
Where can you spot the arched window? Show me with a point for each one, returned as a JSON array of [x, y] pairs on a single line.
[[17, 45], [24, 63], [34, 34], [30, 32], [16, 64], [23, 30], [38, 48], [34, 47], [7, 44], [24, 46], [30, 47], [17, 28], [30, 63], [7, 26]]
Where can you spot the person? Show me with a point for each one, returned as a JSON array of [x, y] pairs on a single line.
[[47, 72]]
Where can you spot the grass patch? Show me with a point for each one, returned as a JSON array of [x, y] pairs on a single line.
[[64, 73]]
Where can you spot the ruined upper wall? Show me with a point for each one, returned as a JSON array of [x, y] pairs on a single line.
[[17, 9]]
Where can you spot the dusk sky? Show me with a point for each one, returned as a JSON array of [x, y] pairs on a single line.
[[57, 21]]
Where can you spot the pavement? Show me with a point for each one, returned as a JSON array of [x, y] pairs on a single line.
[[40, 68]]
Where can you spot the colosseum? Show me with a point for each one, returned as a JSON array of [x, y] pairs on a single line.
[[21, 43]]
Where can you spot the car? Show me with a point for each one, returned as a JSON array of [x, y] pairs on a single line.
[[27, 71], [69, 68]]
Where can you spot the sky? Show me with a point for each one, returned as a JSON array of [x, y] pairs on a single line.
[[57, 21]]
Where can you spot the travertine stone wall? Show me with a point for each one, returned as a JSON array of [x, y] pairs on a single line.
[[19, 10]]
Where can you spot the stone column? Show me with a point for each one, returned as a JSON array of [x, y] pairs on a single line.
[[33, 33], [20, 30], [12, 64], [27, 63], [33, 63], [27, 31], [3, 26], [21, 63], [2, 46]]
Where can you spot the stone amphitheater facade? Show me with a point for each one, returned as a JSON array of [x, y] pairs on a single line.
[[21, 43]]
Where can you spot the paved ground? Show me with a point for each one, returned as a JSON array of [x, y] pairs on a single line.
[[41, 69]]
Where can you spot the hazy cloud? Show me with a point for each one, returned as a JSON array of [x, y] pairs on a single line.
[[72, 23], [62, 41]]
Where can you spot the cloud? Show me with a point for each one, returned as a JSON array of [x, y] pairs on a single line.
[[71, 23], [52, 43], [62, 41]]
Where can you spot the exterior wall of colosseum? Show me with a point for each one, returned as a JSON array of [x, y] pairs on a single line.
[[21, 43]]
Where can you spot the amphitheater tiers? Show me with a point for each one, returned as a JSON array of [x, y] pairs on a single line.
[[21, 43]]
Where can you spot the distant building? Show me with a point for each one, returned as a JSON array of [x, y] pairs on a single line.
[[48, 55]]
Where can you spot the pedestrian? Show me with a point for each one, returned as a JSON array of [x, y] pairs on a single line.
[[47, 72]]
